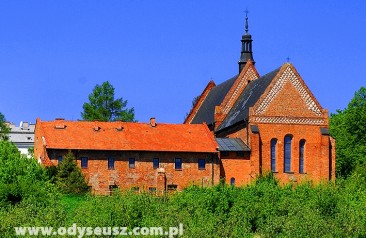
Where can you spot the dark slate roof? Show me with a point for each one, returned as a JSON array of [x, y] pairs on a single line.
[[250, 95], [214, 98], [231, 144]]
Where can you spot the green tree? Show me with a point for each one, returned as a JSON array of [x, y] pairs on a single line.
[[69, 177], [21, 178], [348, 127], [104, 107], [4, 129]]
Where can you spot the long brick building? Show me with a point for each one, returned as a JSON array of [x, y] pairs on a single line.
[[142, 156], [276, 116]]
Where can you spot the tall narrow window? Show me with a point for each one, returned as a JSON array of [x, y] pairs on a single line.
[[288, 140], [178, 163], [301, 156], [156, 163], [110, 163], [84, 162], [131, 163], [273, 154]]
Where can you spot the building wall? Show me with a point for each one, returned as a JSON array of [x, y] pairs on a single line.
[[144, 176], [318, 162], [237, 167]]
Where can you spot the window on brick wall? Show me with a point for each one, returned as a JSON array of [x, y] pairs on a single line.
[[131, 163], [288, 153], [84, 162], [273, 155], [156, 163], [301, 156], [59, 159], [178, 164], [152, 190], [110, 163], [232, 181], [201, 164], [172, 187]]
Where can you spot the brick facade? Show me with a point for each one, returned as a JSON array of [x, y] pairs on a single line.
[[121, 155]]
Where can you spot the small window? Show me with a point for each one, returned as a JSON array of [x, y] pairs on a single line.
[[301, 156], [240, 154], [152, 190], [178, 163], [110, 163], [113, 188], [84, 162], [172, 187], [201, 164], [288, 153], [59, 159], [273, 154], [156, 163], [136, 189], [131, 163], [224, 153], [232, 181]]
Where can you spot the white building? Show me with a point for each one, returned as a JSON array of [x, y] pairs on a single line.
[[22, 136]]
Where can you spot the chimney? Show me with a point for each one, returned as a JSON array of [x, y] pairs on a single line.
[[152, 122]]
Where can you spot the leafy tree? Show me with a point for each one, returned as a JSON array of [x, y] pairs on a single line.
[[4, 129], [69, 177], [104, 107], [348, 127], [21, 178]]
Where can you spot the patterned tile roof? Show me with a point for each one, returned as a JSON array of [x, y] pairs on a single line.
[[128, 136]]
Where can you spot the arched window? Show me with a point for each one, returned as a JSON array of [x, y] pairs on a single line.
[[273, 154], [301, 156], [232, 181], [287, 153]]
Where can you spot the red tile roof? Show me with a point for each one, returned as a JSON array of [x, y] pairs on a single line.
[[130, 136]]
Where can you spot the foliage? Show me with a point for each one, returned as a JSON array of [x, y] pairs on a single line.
[[348, 127], [263, 208], [22, 179], [69, 178], [4, 129], [104, 107]]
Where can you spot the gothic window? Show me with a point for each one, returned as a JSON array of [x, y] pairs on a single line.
[[287, 153], [301, 156], [273, 155]]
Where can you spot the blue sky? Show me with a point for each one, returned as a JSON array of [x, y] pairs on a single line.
[[160, 54]]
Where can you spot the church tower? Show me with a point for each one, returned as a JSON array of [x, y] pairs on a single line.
[[246, 46]]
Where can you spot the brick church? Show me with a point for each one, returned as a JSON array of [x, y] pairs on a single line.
[[237, 130], [282, 125]]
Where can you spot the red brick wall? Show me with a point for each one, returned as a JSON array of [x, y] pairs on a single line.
[[234, 166], [144, 175], [316, 155]]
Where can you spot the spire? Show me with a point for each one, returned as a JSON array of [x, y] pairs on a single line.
[[246, 46]]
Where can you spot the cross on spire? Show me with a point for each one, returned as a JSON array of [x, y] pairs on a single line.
[[246, 21]]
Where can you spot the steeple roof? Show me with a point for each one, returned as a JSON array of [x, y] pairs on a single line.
[[246, 46]]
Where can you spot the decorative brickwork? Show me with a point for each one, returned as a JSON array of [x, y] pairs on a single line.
[[248, 74], [289, 120], [288, 75]]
